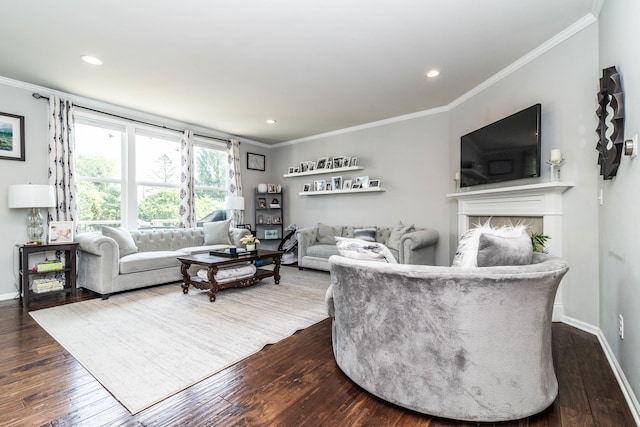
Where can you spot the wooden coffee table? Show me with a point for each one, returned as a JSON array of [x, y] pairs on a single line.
[[213, 263]]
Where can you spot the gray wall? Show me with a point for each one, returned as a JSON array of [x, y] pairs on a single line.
[[564, 80], [409, 157], [619, 232], [34, 170]]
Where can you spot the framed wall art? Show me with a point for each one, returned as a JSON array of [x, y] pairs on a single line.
[[255, 161], [11, 137]]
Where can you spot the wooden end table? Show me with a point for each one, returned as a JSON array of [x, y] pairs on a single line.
[[213, 263]]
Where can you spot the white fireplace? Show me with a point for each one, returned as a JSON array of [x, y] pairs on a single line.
[[542, 200]]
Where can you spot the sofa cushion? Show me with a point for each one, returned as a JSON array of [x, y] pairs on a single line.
[[327, 234], [217, 233], [467, 252], [367, 234], [126, 245], [145, 261], [359, 249], [498, 250], [322, 251], [397, 232]]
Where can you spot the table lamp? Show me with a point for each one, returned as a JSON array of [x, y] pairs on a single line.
[[32, 197], [234, 203]]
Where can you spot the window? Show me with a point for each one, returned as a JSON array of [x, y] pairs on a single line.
[[129, 175]]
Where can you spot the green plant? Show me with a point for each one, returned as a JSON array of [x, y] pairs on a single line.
[[538, 240]]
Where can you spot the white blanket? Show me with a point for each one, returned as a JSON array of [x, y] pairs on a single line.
[[229, 274]]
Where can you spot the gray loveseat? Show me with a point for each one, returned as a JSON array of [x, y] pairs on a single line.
[[463, 343], [146, 257], [409, 245]]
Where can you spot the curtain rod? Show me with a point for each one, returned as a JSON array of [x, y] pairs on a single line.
[[38, 96]]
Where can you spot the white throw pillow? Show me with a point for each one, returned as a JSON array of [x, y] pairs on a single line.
[[360, 249], [217, 233], [467, 253], [126, 245]]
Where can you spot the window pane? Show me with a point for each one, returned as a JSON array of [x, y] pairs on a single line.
[[157, 160], [208, 202], [98, 205], [98, 152], [210, 167], [158, 207]]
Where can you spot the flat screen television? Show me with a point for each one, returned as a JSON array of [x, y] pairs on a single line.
[[505, 150]]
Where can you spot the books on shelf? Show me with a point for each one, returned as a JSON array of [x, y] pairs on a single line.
[[48, 265], [40, 286]]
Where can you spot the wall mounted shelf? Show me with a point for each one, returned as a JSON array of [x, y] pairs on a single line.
[[359, 190], [322, 171]]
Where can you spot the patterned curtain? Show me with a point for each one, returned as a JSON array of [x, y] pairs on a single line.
[[187, 188], [235, 178], [62, 166]]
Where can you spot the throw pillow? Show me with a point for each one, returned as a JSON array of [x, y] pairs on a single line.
[[327, 234], [467, 253], [498, 250], [217, 233], [359, 249], [396, 234], [367, 234], [126, 245]]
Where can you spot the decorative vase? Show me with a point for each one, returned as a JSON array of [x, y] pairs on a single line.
[[262, 188], [251, 247]]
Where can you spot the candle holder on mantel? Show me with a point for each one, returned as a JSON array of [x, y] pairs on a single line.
[[555, 161]]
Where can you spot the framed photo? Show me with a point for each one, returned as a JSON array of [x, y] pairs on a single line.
[[355, 186], [363, 181], [291, 169], [306, 187], [304, 166], [346, 162], [353, 162], [277, 220], [11, 137], [271, 234], [320, 185], [255, 162], [322, 163], [60, 232], [337, 182], [374, 183], [337, 162], [328, 187], [271, 188], [346, 185], [262, 203]]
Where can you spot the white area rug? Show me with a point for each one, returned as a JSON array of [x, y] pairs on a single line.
[[144, 346]]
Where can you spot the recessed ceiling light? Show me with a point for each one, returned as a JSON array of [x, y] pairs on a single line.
[[271, 122], [433, 73], [91, 60]]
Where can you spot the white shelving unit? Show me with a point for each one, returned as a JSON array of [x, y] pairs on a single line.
[[322, 171], [358, 190]]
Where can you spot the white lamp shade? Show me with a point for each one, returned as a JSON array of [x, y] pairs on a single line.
[[234, 203], [31, 196]]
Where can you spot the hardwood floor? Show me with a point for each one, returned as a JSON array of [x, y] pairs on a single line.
[[293, 383]]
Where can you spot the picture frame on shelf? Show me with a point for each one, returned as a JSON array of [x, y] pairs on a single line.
[[60, 232], [12, 137], [363, 181], [353, 162], [271, 234], [374, 183], [255, 161], [245, 226], [262, 203], [346, 184], [279, 188], [271, 188], [260, 219], [291, 169], [328, 188], [319, 185], [337, 182], [337, 162], [356, 186], [304, 167], [306, 187], [346, 162], [277, 220], [312, 166], [322, 163]]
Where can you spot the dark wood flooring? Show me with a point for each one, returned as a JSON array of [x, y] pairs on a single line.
[[293, 383]]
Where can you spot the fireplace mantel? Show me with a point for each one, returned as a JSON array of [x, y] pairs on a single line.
[[538, 200]]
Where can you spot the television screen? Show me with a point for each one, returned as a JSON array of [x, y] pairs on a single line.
[[505, 150]]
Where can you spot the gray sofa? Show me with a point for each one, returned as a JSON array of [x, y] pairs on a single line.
[[463, 343], [409, 245], [111, 264]]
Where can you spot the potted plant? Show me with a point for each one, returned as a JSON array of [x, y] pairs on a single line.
[[250, 242]]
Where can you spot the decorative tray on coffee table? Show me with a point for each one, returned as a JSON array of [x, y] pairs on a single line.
[[240, 253]]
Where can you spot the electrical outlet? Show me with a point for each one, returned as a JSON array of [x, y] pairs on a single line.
[[621, 326]]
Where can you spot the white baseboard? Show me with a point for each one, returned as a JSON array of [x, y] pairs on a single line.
[[627, 391], [11, 295]]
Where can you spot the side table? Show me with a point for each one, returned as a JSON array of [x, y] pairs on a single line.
[[27, 275]]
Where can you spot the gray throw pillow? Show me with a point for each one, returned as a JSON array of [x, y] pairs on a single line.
[[327, 234], [396, 234], [217, 233], [496, 250], [367, 234], [126, 245]]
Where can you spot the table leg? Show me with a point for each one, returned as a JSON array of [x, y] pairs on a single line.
[[213, 289], [276, 270], [186, 279]]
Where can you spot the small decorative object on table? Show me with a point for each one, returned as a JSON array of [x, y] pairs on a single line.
[[250, 242], [555, 161]]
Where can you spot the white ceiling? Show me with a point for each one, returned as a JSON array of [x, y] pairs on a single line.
[[313, 65]]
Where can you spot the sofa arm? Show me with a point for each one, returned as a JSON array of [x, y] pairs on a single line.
[[306, 237], [237, 234], [418, 247], [98, 258]]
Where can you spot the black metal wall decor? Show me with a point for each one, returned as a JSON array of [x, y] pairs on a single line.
[[610, 128]]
